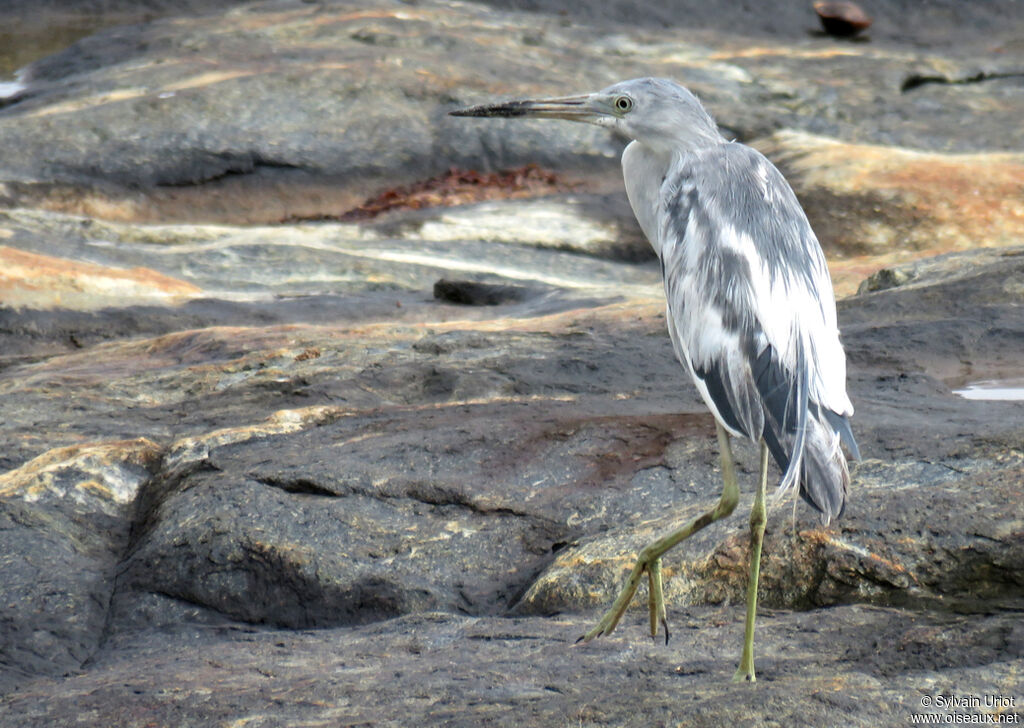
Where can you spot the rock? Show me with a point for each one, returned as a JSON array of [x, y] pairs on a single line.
[[871, 199], [310, 273], [65, 519], [120, 127], [482, 467], [592, 225], [842, 18], [281, 482], [936, 566], [470, 293], [961, 267], [873, 665], [944, 24], [42, 282]]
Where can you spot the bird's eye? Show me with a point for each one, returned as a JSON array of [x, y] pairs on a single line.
[[623, 104]]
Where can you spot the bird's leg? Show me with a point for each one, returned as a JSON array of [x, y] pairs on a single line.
[[758, 517], [656, 599], [649, 560]]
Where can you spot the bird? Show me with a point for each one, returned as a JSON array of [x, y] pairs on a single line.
[[750, 310]]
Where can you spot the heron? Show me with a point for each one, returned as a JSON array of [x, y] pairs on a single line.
[[749, 306]]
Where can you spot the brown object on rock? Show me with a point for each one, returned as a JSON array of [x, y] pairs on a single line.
[[842, 18]]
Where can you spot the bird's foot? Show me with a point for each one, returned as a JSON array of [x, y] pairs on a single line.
[[655, 601], [743, 675], [745, 672]]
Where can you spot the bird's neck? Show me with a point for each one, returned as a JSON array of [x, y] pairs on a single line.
[[643, 170]]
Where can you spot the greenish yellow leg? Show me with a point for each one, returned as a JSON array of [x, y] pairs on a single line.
[[656, 599], [758, 517], [649, 560]]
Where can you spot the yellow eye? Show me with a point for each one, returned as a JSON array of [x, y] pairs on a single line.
[[623, 104]]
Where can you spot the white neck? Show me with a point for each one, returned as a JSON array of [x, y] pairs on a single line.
[[643, 170]]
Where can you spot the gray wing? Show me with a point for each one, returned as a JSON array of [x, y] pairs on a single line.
[[752, 314]]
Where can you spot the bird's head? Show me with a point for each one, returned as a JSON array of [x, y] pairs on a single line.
[[656, 112]]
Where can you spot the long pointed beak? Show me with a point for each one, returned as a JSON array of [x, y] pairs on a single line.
[[573, 108]]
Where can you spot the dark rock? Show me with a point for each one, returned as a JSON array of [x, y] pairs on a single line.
[[65, 519], [942, 23], [471, 293], [858, 665], [842, 18]]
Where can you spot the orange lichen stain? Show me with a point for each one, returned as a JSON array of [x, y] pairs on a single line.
[[788, 52], [42, 281], [821, 537], [981, 198], [307, 354], [976, 197], [30, 478], [95, 487]]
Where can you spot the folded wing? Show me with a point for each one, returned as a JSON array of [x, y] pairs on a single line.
[[752, 315]]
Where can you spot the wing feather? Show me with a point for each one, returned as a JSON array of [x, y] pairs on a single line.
[[752, 315]]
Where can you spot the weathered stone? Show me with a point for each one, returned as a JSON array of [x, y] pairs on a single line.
[[872, 199], [854, 665], [966, 267], [65, 519], [449, 464], [450, 494], [120, 127], [879, 553], [42, 282]]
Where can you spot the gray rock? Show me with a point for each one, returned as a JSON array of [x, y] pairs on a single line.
[[859, 666], [195, 117], [486, 472], [65, 519], [260, 474]]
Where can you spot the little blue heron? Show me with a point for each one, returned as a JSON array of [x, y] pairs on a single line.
[[750, 308]]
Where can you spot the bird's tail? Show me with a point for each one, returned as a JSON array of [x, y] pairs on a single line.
[[824, 477], [802, 435]]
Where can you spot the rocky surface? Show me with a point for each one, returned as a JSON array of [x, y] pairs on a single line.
[[295, 108], [271, 459]]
